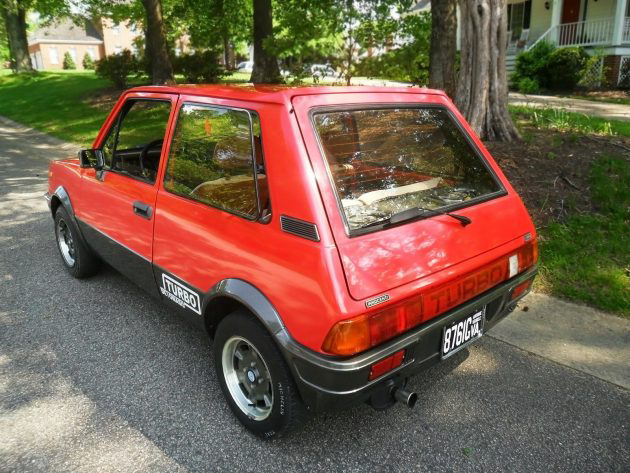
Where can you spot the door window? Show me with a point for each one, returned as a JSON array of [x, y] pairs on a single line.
[[134, 143], [212, 159]]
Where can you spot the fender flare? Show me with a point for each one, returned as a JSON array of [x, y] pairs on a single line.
[[62, 194], [252, 298]]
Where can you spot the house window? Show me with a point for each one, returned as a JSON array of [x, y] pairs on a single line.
[[73, 54], [117, 49], [53, 55], [91, 53], [519, 17]]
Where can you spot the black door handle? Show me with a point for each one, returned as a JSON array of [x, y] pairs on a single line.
[[142, 209]]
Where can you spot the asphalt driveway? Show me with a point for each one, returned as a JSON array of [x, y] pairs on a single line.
[[97, 376]]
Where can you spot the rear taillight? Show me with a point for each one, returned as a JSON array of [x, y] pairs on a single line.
[[352, 336], [527, 255], [358, 334]]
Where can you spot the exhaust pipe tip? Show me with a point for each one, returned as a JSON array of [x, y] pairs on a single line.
[[407, 398]]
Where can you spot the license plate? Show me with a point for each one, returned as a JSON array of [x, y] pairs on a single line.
[[459, 334]]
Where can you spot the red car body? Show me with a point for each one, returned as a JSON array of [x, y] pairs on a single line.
[[301, 285]]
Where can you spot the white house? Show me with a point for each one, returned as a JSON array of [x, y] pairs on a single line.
[[600, 26]]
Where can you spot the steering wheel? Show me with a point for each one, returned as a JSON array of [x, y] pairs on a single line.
[[145, 150]]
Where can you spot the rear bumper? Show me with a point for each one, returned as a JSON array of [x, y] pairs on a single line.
[[326, 382]]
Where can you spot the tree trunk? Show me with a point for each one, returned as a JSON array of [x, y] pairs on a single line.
[[265, 63], [443, 45], [161, 68], [482, 92], [14, 15], [230, 55]]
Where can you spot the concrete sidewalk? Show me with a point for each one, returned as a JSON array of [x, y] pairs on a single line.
[[573, 335], [611, 111]]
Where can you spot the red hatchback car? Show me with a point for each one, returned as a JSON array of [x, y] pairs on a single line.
[[333, 241]]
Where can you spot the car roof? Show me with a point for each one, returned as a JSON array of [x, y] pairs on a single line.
[[276, 93]]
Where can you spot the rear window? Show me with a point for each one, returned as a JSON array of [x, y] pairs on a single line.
[[388, 160]]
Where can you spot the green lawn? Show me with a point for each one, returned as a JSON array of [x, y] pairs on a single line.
[[587, 258], [53, 102], [561, 120]]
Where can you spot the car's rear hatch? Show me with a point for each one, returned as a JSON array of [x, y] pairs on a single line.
[[383, 260], [377, 258]]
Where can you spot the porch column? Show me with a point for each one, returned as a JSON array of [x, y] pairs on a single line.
[[618, 22], [556, 17]]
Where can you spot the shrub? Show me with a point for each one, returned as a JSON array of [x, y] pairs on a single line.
[[199, 67], [68, 62], [117, 67], [551, 68], [532, 64], [565, 68], [527, 85], [88, 62]]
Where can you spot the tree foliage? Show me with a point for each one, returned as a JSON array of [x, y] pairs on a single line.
[[5, 54], [199, 67], [118, 67], [408, 62]]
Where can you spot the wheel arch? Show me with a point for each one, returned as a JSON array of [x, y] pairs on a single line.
[[231, 294], [61, 197]]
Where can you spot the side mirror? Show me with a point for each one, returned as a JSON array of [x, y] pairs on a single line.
[[91, 158]]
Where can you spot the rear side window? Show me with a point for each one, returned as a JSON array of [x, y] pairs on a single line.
[[212, 159]]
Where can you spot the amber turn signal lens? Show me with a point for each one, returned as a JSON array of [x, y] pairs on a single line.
[[358, 334]]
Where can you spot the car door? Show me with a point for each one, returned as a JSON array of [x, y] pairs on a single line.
[[117, 206], [214, 195]]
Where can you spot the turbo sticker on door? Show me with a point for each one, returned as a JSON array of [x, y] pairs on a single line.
[[180, 294]]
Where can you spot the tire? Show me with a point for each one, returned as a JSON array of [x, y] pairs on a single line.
[[76, 257], [282, 410]]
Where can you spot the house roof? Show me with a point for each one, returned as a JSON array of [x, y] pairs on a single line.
[[66, 31]]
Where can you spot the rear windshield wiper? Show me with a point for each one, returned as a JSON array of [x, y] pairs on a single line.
[[417, 213]]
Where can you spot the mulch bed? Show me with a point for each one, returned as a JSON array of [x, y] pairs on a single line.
[[550, 170]]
